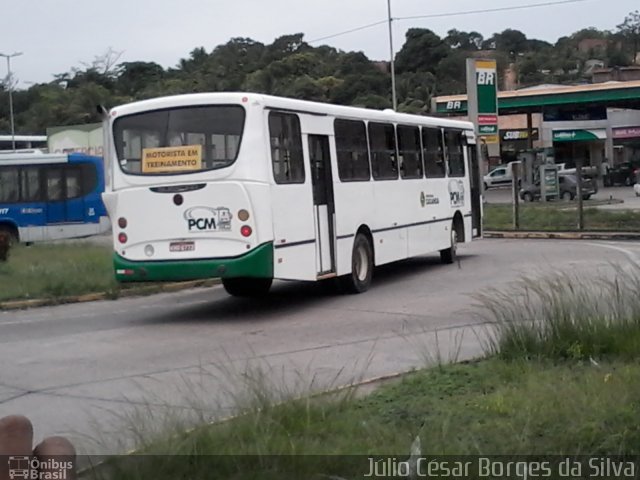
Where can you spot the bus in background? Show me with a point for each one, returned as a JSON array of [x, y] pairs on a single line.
[[51, 197], [22, 143], [251, 188]]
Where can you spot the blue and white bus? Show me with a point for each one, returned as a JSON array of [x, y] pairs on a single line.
[[51, 197]]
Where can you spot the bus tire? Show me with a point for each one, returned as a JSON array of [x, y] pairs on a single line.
[[11, 233], [449, 255], [359, 280], [247, 287]]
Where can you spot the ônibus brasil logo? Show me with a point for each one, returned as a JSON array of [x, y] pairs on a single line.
[[33, 468]]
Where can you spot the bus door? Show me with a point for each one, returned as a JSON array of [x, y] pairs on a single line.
[[54, 184], [476, 193], [323, 203]]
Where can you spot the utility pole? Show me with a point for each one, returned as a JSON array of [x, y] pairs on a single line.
[[393, 67], [10, 83]]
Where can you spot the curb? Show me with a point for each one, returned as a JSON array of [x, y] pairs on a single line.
[[94, 297], [563, 235]]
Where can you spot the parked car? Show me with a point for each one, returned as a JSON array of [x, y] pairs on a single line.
[[568, 189], [625, 173]]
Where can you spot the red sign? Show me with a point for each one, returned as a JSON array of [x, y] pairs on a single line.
[[487, 119], [627, 132]]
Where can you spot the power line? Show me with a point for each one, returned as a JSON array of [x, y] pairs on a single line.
[[449, 14], [490, 10], [356, 29]]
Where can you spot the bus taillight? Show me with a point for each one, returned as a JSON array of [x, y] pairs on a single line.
[[122, 222], [122, 238], [246, 231], [243, 215]]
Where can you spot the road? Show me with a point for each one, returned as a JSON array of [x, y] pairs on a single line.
[[91, 370]]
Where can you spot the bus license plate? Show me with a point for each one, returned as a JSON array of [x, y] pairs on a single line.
[[182, 246]]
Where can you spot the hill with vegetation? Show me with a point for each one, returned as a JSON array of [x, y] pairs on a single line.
[[426, 65]]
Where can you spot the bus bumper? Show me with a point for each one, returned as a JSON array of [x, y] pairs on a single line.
[[257, 263]]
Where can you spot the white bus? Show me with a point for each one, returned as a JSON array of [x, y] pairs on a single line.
[[251, 188]]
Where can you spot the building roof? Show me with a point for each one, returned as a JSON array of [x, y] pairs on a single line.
[[534, 99]]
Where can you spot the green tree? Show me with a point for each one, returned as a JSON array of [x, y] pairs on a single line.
[[421, 52], [630, 30]]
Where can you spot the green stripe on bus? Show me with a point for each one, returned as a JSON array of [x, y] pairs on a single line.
[[257, 263]]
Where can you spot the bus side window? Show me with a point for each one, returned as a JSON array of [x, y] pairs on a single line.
[[409, 148], [30, 184], [433, 153], [286, 148], [9, 185], [382, 143], [73, 183], [54, 178], [455, 152], [352, 150]]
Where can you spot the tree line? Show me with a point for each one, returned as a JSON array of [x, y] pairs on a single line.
[[426, 65]]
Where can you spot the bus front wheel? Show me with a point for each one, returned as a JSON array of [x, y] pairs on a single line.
[[11, 234], [359, 280], [247, 287]]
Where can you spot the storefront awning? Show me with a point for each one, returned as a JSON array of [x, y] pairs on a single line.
[[579, 135]]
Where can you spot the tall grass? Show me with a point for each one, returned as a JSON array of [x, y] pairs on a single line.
[[52, 271], [566, 316]]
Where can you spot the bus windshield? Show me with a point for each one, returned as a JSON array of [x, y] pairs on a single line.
[[179, 140]]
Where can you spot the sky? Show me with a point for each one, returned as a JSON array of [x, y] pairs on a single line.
[[57, 35]]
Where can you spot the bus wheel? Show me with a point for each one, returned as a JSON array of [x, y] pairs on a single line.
[[247, 287], [359, 280], [448, 255], [11, 234]]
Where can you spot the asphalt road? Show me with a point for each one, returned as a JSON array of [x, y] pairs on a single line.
[[92, 370]]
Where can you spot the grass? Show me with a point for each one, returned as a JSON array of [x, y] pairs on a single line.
[[482, 408], [53, 271], [561, 377], [567, 317], [560, 216]]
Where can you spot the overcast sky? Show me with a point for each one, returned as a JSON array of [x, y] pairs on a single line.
[[56, 35]]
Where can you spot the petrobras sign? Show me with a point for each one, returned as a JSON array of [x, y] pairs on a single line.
[[482, 100]]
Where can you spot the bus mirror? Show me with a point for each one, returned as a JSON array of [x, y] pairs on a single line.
[[102, 111]]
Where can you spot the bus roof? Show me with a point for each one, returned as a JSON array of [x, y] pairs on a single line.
[[39, 158], [268, 101], [18, 158]]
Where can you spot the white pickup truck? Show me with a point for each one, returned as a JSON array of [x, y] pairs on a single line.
[[587, 171], [500, 176]]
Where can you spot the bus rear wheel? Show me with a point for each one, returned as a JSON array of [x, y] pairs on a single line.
[[359, 280], [247, 287]]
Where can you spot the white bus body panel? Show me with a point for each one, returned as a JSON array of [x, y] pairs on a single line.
[[167, 222]]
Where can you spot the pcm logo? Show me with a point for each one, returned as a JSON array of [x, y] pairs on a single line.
[[208, 219], [456, 193]]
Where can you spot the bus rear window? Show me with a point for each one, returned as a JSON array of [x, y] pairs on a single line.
[[179, 140]]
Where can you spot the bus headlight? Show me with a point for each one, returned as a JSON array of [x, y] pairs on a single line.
[[149, 250]]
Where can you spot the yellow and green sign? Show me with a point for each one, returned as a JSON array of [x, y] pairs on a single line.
[[482, 94], [172, 159]]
